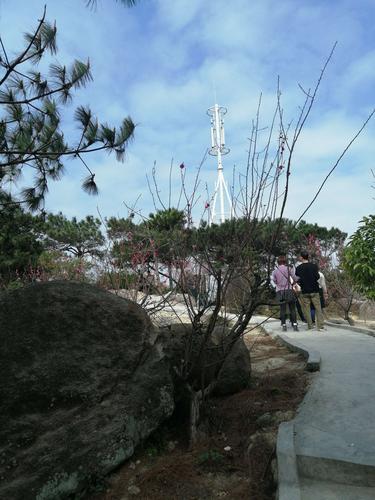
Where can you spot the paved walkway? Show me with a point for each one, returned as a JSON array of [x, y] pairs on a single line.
[[334, 430]]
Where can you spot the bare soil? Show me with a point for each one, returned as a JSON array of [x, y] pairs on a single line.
[[234, 457]]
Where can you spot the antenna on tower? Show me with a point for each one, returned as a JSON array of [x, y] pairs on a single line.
[[218, 149]]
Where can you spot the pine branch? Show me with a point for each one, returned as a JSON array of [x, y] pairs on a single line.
[[20, 58], [30, 132]]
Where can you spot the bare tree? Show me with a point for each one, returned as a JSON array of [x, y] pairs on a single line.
[[211, 262]]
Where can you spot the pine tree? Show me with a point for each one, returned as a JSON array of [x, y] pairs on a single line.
[[31, 136], [20, 245], [78, 238]]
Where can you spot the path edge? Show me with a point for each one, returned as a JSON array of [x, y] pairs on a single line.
[[288, 480], [313, 358]]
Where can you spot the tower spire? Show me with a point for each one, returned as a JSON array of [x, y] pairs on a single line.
[[218, 149]]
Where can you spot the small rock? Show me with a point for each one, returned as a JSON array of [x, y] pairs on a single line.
[[283, 416], [265, 420], [171, 445], [227, 448], [268, 437], [134, 490], [132, 465]]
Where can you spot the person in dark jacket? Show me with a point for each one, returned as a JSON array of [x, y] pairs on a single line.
[[308, 274]]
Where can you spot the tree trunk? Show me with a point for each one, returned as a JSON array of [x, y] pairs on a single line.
[[194, 413], [170, 276], [195, 405], [157, 276], [348, 318]]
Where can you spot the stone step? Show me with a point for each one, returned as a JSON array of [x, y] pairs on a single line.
[[337, 471], [325, 490]]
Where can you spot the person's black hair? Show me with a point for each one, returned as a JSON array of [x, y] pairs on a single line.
[[304, 254], [281, 259]]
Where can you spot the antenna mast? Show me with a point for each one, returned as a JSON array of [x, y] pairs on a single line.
[[218, 149]]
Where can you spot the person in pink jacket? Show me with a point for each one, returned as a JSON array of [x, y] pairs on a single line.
[[283, 278]]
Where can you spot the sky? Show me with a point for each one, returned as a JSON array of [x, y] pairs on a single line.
[[165, 62]]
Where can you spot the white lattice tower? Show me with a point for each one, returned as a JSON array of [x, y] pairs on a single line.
[[218, 149]]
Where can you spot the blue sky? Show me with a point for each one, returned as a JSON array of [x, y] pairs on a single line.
[[160, 62]]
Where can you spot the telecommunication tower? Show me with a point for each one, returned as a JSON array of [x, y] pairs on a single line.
[[218, 149]]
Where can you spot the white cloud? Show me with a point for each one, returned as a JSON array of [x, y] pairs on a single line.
[[342, 203], [178, 15]]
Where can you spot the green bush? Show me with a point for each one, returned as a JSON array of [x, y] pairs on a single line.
[[210, 456], [359, 257]]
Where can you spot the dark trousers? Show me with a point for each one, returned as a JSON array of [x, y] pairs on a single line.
[[300, 312], [286, 299]]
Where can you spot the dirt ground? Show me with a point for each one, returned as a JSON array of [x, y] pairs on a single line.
[[235, 455]]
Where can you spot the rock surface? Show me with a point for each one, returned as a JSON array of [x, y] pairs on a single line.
[[234, 374], [236, 370], [82, 381]]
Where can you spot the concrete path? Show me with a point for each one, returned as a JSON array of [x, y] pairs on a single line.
[[328, 451]]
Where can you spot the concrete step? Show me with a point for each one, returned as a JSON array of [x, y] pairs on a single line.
[[337, 471], [324, 490]]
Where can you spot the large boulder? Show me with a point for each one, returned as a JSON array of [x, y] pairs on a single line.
[[235, 373], [82, 382], [182, 347]]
